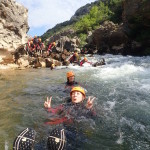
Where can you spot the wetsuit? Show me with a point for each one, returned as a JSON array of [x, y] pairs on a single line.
[[40, 47], [70, 85], [74, 83], [74, 58], [83, 61], [69, 112]]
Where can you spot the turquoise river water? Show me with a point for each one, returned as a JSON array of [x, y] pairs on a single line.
[[121, 88]]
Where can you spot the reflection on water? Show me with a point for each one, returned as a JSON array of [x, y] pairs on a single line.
[[122, 89]]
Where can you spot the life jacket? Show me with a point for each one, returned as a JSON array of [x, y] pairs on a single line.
[[82, 62], [74, 83], [50, 47], [32, 47], [35, 41], [69, 85], [40, 46], [74, 58]]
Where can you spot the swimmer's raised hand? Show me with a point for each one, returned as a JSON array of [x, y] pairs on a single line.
[[89, 103], [47, 103]]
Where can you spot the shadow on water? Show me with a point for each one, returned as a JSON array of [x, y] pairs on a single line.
[[122, 103]]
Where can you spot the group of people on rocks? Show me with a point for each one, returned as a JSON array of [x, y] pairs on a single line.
[[62, 137], [34, 45]]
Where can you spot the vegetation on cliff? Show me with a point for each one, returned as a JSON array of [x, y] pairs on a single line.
[[133, 14], [110, 10], [99, 12]]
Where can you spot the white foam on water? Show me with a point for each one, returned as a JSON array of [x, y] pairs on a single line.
[[145, 87], [8, 66], [133, 124], [1, 58], [116, 72], [143, 103], [6, 145], [120, 139], [86, 64], [109, 105], [81, 68]]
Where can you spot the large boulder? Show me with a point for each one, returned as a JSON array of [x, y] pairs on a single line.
[[63, 41], [13, 24], [107, 37]]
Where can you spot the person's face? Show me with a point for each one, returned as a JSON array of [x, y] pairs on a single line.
[[77, 97], [71, 79]]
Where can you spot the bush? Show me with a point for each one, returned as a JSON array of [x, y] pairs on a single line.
[[82, 39], [96, 15]]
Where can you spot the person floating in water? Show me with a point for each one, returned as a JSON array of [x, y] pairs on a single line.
[[84, 60], [71, 109], [71, 80]]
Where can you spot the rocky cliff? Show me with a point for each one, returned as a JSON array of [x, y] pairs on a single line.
[[78, 14], [13, 24], [136, 19], [136, 12]]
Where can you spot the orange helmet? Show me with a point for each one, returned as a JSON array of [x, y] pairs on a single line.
[[31, 42], [79, 89], [53, 65], [70, 74], [76, 53], [85, 59], [40, 39], [54, 43]]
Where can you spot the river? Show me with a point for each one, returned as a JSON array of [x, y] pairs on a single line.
[[121, 88]]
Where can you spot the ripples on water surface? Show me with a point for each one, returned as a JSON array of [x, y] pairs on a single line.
[[122, 88]]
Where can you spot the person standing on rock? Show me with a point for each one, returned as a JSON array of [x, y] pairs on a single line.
[[50, 47], [40, 46], [31, 49]]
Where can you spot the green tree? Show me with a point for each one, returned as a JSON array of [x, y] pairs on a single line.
[[96, 15]]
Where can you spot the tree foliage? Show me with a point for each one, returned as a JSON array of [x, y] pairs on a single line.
[[96, 15]]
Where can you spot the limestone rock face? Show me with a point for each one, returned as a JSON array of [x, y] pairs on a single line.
[[13, 24]]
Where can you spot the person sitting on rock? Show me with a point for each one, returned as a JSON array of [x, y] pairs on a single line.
[[72, 109], [84, 60], [75, 57]]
